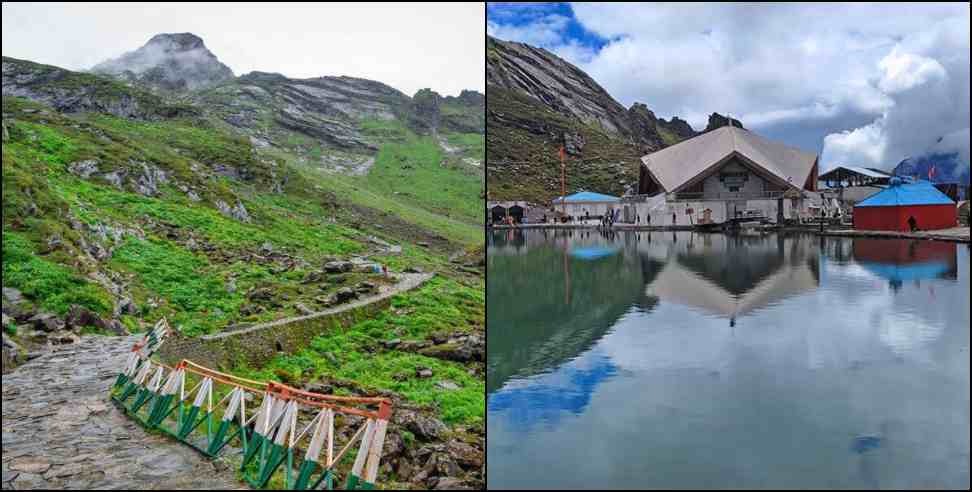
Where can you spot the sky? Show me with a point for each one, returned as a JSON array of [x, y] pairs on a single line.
[[407, 46], [862, 84]]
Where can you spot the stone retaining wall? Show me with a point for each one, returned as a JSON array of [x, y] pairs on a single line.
[[257, 345]]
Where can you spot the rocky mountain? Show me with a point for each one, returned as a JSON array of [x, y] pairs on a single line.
[[948, 168], [219, 202], [329, 110], [74, 92], [537, 102], [270, 107], [168, 62]]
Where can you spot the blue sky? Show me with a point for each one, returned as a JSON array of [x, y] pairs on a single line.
[[527, 15], [861, 84]]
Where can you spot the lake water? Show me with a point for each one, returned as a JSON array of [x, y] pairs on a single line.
[[685, 360]]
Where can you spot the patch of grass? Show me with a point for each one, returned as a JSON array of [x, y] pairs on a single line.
[[441, 305], [54, 287], [415, 171], [354, 191], [93, 330], [277, 221], [522, 165], [197, 297], [472, 144], [385, 130]]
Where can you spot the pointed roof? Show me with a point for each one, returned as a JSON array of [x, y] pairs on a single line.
[[587, 196], [680, 285], [863, 171], [675, 166], [902, 193]]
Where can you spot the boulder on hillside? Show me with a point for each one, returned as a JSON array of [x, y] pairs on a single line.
[[79, 317], [463, 348], [424, 427], [46, 322], [338, 266]]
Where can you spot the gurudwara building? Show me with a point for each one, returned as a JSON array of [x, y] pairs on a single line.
[[728, 173]]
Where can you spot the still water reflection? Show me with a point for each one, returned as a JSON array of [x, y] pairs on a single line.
[[681, 360]]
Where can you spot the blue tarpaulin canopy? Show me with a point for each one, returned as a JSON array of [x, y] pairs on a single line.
[[903, 193], [588, 196]]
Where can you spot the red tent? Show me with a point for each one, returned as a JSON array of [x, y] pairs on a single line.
[[893, 208]]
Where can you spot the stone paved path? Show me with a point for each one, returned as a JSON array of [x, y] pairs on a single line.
[[60, 431]]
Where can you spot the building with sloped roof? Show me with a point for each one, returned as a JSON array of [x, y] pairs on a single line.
[[522, 212], [853, 176], [585, 205], [904, 205], [726, 163], [727, 173]]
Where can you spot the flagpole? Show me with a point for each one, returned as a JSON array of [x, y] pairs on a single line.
[[563, 181]]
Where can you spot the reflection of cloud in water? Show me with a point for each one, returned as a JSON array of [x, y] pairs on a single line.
[[907, 333], [890, 302], [547, 398]]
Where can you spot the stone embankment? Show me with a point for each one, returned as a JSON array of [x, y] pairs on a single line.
[[256, 345]]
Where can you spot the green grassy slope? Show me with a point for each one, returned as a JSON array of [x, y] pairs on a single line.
[[178, 253], [522, 141], [412, 178], [185, 260]]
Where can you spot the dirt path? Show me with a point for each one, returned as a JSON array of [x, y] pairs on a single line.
[[60, 431]]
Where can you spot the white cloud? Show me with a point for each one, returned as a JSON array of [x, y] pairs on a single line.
[[861, 146], [543, 31], [926, 78], [873, 83], [408, 46], [904, 71]]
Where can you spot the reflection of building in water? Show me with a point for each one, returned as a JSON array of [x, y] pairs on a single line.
[[581, 243], [903, 261], [733, 276], [550, 302]]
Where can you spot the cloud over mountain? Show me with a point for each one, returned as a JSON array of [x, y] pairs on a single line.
[[865, 84]]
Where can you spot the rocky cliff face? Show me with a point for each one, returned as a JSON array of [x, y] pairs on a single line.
[[716, 120], [553, 82], [426, 111], [74, 92], [169, 62], [332, 112], [538, 102], [326, 109]]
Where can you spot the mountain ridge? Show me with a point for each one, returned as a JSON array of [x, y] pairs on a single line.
[[538, 102]]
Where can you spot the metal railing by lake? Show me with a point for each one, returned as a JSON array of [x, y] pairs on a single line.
[[684, 196]]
